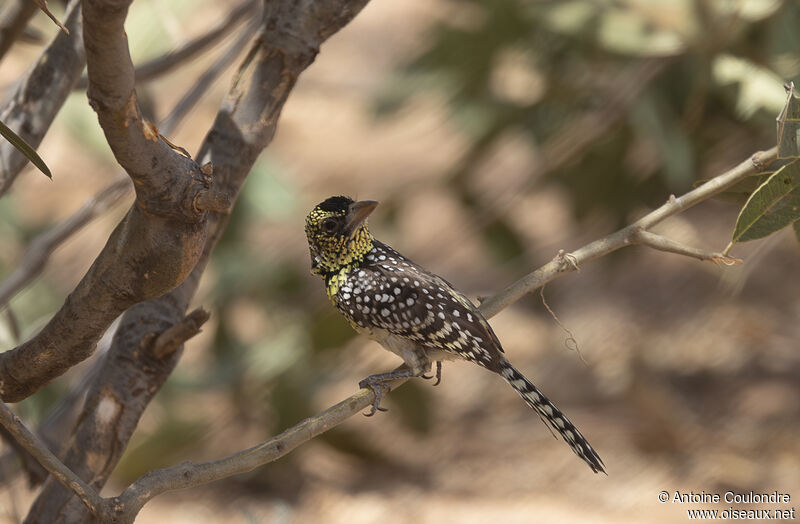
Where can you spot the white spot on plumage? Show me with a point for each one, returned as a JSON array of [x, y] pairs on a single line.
[[456, 313], [410, 301], [385, 312]]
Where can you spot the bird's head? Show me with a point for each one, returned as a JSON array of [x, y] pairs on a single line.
[[337, 233]]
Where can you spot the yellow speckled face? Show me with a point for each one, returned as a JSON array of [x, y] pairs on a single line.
[[337, 233]]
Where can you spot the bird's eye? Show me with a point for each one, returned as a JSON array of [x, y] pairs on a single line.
[[329, 225]]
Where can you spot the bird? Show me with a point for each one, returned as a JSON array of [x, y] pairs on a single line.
[[412, 312]]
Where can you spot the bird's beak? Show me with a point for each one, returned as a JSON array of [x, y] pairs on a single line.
[[358, 213]]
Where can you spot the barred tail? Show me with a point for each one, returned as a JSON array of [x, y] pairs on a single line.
[[549, 412]]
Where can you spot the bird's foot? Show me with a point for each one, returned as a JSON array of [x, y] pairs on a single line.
[[438, 374], [379, 384]]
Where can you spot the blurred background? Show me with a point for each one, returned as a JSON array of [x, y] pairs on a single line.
[[495, 133]]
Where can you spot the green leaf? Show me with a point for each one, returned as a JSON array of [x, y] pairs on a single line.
[[773, 206], [789, 125], [24, 148]]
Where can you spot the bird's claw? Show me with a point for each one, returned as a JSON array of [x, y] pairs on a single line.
[[438, 374], [377, 386]]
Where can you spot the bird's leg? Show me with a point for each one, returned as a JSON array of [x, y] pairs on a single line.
[[438, 374], [377, 383]]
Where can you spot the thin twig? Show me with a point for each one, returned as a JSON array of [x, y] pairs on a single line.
[[42, 4], [756, 163], [171, 339], [662, 243], [39, 451], [570, 336]]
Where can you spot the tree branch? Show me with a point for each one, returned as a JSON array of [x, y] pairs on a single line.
[[42, 5], [624, 236], [662, 243], [50, 462], [170, 340], [38, 98]]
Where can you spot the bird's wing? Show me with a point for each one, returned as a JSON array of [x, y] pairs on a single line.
[[399, 296]]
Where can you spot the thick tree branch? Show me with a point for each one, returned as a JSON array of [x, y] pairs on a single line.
[[38, 98]]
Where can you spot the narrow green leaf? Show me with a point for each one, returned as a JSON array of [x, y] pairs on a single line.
[[789, 125], [773, 206], [24, 148]]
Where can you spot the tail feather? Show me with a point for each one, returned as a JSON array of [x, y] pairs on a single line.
[[549, 412]]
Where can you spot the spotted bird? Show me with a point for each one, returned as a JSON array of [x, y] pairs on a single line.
[[411, 312]]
